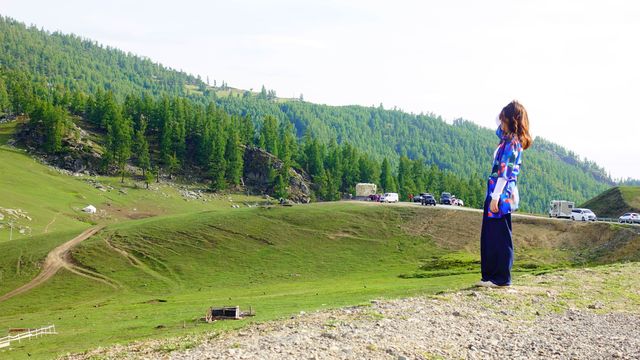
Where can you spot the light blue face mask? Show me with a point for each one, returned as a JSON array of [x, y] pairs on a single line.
[[499, 131]]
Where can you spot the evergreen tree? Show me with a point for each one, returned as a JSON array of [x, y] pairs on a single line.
[[118, 137], [148, 178], [330, 186], [4, 98], [263, 93], [280, 186], [269, 135], [78, 103], [20, 91], [247, 132], [50, 123], [141, 148], [217, 163], [233, 155], [386, 179], [406, 184], [173, 164], [314, 159], [166, 129], [333, 172]]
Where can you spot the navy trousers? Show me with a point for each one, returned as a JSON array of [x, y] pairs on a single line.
[[496, 248]]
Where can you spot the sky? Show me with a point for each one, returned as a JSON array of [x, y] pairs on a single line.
[[575, 65]]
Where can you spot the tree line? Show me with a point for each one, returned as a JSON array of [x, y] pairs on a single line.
[[175, 136], [80, 66]]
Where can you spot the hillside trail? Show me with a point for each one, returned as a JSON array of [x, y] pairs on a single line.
[[46, 228], [56, 259]]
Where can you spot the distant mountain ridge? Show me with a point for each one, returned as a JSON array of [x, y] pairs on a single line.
[[549, 170]]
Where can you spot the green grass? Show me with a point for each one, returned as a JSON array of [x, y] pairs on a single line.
[[631, 196], [279, 261], [168, 268], [54, 201], [615, 201]]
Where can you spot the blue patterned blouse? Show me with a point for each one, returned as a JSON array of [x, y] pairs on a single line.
[[506, 164]]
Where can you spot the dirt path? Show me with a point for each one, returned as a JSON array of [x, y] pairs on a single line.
[[56, 259], [46, 228]]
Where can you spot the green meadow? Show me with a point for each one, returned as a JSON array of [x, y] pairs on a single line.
[[164, 259], [165, 272]]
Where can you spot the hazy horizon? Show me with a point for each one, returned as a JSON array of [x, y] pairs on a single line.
[[569, 63]]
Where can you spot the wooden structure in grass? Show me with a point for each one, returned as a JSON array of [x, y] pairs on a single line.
[[226, 313]]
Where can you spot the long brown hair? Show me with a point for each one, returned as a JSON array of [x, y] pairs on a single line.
[[514, 115]]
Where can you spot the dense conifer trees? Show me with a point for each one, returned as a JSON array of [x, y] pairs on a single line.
[[192, 128]]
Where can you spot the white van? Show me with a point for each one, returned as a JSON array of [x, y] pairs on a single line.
[[389, 197], [561, 209]]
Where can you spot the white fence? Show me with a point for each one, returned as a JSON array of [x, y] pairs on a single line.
[[47, 330]]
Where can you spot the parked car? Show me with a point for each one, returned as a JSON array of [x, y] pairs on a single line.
[[630, 218], [389, 197], [582, 215], [445, 198], [428, 199], [457, 202], [418, 198]]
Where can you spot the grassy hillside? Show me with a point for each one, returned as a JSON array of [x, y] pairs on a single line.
[[167, 258], [53, 200], [280, 261], [166, 271], [615, 201], [44, 206]]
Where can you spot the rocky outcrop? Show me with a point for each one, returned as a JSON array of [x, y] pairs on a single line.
[[79, 153], [257, 166]]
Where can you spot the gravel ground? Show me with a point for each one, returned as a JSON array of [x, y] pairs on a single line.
[[558, 316]]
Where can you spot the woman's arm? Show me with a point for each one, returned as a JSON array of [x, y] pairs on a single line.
[[507, 166], [500, 184], [507, 169]]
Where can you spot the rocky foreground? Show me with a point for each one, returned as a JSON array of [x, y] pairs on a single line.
[[575, 314]]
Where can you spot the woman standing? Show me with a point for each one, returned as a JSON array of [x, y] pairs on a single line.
[[496, 246]]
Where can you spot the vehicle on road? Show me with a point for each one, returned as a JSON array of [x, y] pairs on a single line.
[[445, 198], [561, 208], [389, 197], [418, 198], [428, 199], [457, 202], [583, 215], [630, 218]]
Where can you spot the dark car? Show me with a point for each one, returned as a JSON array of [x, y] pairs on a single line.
[[445, 198], [418, 198], [428, 199]]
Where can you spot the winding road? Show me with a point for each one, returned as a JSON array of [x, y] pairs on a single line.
[[57, 259]]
